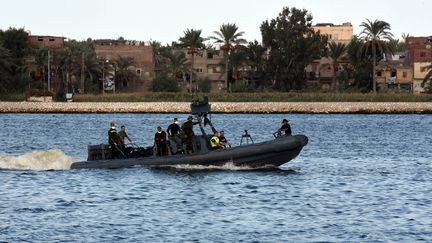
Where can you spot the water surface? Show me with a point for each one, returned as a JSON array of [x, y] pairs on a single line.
[[361, 178]]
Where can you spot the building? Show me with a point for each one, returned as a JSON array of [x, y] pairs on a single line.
[[321, 71], [45, 41], [420, 56], [395, 73], [208, 65], [339, 33], [44, 74], [140, 52]]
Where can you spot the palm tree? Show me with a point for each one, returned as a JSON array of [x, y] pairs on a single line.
[[178, 64], [122, 73], [377, 36], [157, 57], [192, 40], [428, 75], [238, 59], [92, 67], [230, 38], [337, 51]]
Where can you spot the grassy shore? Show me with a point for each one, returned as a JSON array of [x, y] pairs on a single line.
[[242, 97], [257, 97]]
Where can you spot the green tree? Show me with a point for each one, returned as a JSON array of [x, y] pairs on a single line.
[[15, 48], [237, 60], [157, 57], [193, 41], [292, 45], [5, 59], [337, 51], [92, 70], [5, 69], [376, 35], [178, 64], [123, 73], [255, 54], [230, 37]]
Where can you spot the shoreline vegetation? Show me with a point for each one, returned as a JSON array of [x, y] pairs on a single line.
[[241, 97]]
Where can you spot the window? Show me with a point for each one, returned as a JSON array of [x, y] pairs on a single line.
[[379, 74], [209, 55], [393, 74], [51, 39], [422, 54], [405, 74], [40, 39]]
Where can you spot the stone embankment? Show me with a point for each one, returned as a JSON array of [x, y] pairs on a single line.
[[218, 107]]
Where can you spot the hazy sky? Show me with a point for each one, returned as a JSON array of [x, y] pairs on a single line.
[[166, 20]]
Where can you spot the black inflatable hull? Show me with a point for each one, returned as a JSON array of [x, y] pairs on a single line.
[[271, 153]]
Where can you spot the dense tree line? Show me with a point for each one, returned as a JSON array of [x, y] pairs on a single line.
[[289, 44]]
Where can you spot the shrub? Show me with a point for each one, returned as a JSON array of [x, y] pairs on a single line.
[[164, 83], [204, 85], [242, 86]]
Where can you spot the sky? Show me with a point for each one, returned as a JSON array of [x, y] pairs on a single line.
[[166, 20]]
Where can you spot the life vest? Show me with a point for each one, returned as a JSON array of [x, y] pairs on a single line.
[[214, 141]]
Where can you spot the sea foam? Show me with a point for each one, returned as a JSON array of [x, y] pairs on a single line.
[[53, 159]]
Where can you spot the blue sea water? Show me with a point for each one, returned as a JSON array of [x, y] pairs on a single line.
[[361, 178]]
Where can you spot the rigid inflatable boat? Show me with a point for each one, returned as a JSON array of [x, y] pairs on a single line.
[[271, 153]]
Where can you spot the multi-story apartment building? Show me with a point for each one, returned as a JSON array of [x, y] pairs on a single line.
[[321, 71], [208, 65], [142, 54], [395, 73], [420, 56]]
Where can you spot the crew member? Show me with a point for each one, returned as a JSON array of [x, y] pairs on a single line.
[[284, 128], [160, 142], [174, 128], [187, 130], [223, 141], [214, 141], [122, 135], [174, 135], [113, 140]]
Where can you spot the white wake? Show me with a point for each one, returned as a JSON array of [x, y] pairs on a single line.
[[53, 159], [226, 166]]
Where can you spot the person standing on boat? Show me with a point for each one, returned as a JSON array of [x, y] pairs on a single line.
[[284, 128], [174, 134], [215, 142], [113, 140], [160, 142], [223, 141], [187, 129], [122, 136], [174, 128]]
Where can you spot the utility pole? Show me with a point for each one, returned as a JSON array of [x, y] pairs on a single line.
[[82, 72], [49, 72]]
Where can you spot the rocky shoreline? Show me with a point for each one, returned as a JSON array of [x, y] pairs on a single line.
[[219, 107]]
